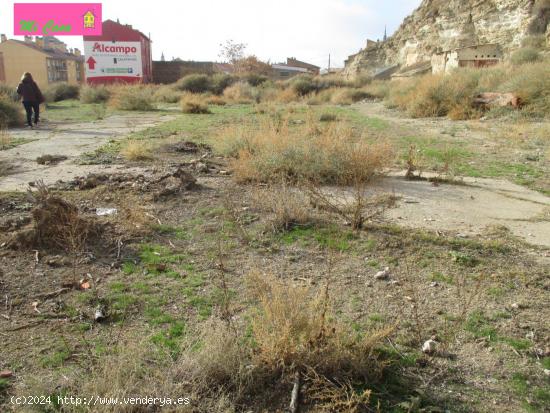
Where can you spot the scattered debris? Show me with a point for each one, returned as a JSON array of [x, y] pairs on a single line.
[[383, 275], [429, 347], [105, 211], [99, 314]]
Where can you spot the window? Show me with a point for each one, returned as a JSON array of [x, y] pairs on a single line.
[[57, 70]]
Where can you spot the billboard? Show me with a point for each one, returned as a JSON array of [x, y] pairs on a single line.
[[113, 60]]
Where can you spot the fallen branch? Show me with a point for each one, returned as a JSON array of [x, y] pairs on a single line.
[[294, 402], [53, 293]]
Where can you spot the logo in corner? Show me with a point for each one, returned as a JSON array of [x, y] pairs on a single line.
[[89, 20]]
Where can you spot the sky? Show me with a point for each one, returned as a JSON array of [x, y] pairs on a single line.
[[309, 30]]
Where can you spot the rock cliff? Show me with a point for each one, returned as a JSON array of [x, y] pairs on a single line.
[[440, 25]]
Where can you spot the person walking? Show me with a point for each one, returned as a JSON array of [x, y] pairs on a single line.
[[31, 96]]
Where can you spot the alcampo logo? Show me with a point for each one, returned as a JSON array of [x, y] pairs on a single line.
[[101, 48]]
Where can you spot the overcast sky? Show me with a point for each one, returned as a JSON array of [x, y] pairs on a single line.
[[273, 30]]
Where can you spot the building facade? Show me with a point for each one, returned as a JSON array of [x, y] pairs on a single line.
[[47, 58], [484, 55], [120, 55]]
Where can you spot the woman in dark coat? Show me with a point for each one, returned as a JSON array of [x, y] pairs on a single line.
[[31, 96]]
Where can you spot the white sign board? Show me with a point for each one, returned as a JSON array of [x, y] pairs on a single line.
[[112, 59]]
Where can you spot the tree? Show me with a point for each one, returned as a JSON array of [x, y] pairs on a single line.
[[232, 51]]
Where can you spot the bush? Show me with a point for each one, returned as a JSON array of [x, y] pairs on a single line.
[[11, 113], [9, 92], [220, 82], [136, 150], [132, 97], [194, 104], [195, 83], [242, 92], [525, 55], [61, 91], [166, 94], [303, 85], [94, 94], [273, 150]]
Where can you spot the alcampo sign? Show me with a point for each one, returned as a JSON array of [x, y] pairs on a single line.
[[57, 19]]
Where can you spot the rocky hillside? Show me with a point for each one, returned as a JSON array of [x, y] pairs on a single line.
[[439, 25]]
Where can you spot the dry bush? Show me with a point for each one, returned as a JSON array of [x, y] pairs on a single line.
[[241, 92], [166, 94], [11, 113], [194, 104], [331, 154], [132, 97], [95, 94], [57, 224], [5, 138], [288, 207], [137, 150]]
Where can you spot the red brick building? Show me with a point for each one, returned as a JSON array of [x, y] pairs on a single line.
[[120, 55]]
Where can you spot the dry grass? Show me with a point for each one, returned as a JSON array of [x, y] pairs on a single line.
[[132, 97], [137, 150], [311, 152], [194, 104], [5, 138], [288, 207]]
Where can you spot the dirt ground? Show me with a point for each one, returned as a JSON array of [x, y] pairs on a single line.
[[71, 141], [468, 266]]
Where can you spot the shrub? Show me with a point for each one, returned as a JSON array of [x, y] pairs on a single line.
[[255, 79], [525, 55], [220, 82], [94, 94], [328, 117], [10, 112], [136, 150], [61, 91], [241, 92], [273, 150], [195, 83], [194, 104], [132, 97], [166, 94], [9, 92], [303, 85]]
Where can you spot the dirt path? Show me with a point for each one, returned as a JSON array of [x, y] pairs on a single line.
[[70, 140], [467, 208]]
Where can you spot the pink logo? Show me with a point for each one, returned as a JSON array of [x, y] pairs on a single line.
[[57, 19]]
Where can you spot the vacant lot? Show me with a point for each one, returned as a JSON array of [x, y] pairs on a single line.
[[187, 271]]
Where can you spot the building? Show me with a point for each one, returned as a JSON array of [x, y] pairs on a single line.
[[293, 67], [120, 55], [483, 55], [47, 58]]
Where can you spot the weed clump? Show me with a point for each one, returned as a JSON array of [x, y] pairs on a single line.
[[194, 104], [133, 97], [94, 94], [61, 91]]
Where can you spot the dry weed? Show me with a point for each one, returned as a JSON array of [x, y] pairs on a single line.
[[137, 150]]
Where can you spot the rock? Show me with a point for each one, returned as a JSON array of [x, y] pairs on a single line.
[[497, 100], [429, 347], [383, 275]]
